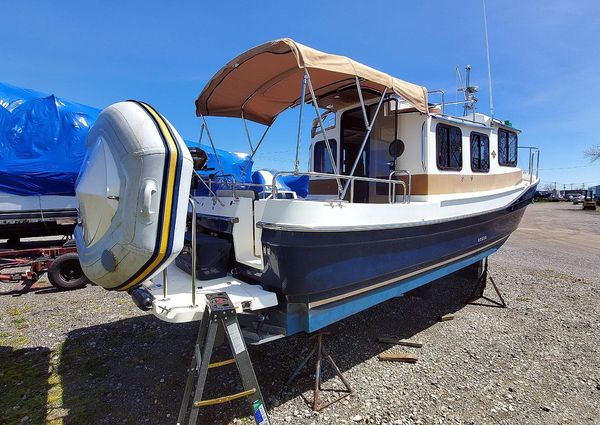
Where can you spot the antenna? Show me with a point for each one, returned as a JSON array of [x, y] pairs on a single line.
[[468, 91], [467, 86], [460, 85], [487, 52]]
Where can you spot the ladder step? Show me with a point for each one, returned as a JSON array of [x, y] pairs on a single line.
[[224, 399], [222, 363]]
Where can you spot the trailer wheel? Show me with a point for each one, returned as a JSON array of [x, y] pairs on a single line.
[[65, 272]]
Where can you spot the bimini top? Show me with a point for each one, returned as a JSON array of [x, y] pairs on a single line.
[[267, 79]]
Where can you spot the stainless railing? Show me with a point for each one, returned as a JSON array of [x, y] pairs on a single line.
[[392, 188], [351, 179], [226, 182], [443, 103], [533, 162], [442, 94], [391, 182]]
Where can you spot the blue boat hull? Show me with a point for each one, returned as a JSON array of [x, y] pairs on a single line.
[[326, 276]]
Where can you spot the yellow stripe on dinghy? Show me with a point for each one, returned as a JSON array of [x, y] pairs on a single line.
[[168, 206]]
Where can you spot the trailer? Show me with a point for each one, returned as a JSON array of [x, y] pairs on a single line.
[[61, 263]]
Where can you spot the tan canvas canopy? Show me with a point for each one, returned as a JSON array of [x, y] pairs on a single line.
[[267, 79]]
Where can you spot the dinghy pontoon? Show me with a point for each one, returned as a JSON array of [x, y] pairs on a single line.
[[399, 194]]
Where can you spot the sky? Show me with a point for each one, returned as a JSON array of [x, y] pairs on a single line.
[[544, 60]]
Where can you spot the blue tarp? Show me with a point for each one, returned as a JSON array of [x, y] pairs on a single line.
[[298, 184], [42, 142], [233, 163]]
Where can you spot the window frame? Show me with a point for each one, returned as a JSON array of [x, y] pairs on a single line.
[[437, 147], [501, 161], [487, 137], [334, 148]]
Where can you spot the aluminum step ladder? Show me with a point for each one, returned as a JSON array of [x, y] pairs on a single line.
[[220, 318]]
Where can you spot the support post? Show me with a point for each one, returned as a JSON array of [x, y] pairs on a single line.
[[212, 144], [480, 288], [369, 126], [321, 352], [299, 139], [323, 131], [193, 252], [246, 128], [255, 150], [165, 283]]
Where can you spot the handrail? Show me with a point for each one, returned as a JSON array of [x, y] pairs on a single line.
[[352, 179], [442, 93], [194, 247], [210, 181], [392, 193], [534, 162]]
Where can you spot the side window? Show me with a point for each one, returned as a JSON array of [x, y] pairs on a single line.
[[449, 147], [507, 148], [480, 153], [321, 160]]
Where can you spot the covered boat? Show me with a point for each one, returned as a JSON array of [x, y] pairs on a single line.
[[398, 193], [42, 146]]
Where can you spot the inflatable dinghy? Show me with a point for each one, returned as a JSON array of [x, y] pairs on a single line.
[[133, 196]]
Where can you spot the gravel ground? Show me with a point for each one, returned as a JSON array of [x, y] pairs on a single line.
[[89, 356]]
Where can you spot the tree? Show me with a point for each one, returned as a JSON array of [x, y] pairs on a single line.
[[547, 188], [593, 153]]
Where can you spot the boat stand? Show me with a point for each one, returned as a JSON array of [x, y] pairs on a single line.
[[479, 289], [319, 349], [220, 319]]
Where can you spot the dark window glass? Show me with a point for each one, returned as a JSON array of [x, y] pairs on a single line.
[[449, 147], [321, 160], [507, 148], [480, 153]]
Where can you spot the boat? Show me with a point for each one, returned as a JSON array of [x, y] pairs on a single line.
[[398, 193], [42, 145]]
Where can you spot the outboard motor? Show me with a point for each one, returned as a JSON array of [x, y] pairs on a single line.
[[141, 297]]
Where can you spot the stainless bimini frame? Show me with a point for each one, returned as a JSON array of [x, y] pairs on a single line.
[[350, 179]]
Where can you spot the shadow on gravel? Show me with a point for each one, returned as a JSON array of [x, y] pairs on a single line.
[[33, 287], [24, 384], [134, 370]]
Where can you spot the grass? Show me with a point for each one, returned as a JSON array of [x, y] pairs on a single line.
[[20, 323], [52, 386], [32, 380], [14, 341], [17, 311], [23, 384]]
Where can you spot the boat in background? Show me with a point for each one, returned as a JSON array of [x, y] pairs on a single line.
[[42, 145], [398, 193]]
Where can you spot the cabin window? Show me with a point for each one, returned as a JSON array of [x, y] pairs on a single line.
[[321, 159], [480, 153], [507, 148], [449, 147], [328, 118]]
